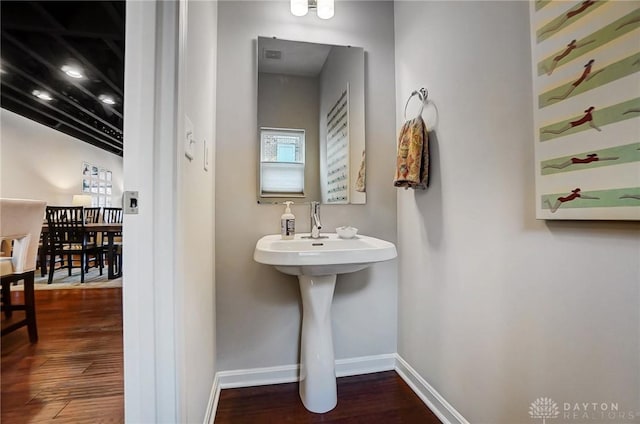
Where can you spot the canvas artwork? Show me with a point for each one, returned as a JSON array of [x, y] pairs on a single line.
[[586, 81]]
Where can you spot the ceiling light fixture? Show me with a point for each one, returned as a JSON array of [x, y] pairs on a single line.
[[42, 95], [72, 71], [324, 8], [107, 99]]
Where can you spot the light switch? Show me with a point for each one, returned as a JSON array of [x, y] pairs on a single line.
[[130, 202], [189, 140]]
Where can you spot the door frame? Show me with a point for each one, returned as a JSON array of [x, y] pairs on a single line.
[[153, 57]]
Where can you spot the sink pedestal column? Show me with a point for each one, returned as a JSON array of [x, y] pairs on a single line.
[[317, 367]]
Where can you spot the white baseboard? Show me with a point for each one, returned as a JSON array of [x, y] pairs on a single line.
[[344, 367], [258, 376], [291, 373], [365, 365], [430, 396], [212, 406]]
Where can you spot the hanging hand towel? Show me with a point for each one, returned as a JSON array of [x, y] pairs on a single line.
[[412, 164], [361, 180]]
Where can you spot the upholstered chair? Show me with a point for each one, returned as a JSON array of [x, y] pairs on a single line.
[[21, 224]]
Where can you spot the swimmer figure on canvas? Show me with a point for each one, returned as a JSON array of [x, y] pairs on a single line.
[[570, 14], [586, 76], [586, 119], [591, 157], [575, 194], [570, 47]]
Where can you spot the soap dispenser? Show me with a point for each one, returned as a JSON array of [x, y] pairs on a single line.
[[287, 223]]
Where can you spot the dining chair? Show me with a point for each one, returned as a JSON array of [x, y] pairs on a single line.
[[92, 216], [111, 215], [43, 261], [68, 236], [22, 224]]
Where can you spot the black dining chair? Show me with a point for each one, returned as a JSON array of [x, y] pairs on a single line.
[[92, 216], [43, 261], [68, 236], [112, 215]]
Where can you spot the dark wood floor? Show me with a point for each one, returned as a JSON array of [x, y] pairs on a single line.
[[382, 398], [74, 374]]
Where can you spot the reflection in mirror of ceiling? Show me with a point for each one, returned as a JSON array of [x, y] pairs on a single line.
[[295, 58]]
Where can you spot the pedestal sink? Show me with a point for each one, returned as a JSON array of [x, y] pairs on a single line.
[[317, 262]]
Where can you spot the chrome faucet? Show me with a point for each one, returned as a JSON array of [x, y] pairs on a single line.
[[315, 220]]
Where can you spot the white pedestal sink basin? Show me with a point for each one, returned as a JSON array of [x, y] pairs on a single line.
[[316, 262]]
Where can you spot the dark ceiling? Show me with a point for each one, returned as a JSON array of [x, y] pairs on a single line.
[[38, 39]]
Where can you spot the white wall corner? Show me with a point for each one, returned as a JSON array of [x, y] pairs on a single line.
[[430, 396]]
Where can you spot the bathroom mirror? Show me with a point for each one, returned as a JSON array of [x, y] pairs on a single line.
[[310, 122]]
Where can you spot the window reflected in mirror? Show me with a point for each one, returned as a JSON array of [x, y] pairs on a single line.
[[281, 162]]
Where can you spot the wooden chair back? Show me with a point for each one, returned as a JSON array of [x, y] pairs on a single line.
[[92, 215], [66, 225], [112, 215]]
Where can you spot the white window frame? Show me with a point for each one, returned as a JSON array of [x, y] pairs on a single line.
[[296, 166]]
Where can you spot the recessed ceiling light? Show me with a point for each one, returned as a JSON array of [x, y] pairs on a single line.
[[107, 99], [42, 95], [72, 71]]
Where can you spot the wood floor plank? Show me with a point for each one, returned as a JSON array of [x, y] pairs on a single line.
[[87, 409], [74, 374], [382, 398], [37, 412]]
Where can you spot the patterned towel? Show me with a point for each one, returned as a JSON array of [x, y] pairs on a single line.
[[412, 164], [361, 184]]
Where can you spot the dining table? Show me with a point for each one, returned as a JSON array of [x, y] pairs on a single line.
[[110, 229]]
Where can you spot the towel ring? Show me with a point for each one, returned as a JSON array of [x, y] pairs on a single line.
[[422, 95]]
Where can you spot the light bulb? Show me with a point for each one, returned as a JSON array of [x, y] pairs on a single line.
[[42, 95], [72, 71], [325, 9], [299, 7], [107, 99]]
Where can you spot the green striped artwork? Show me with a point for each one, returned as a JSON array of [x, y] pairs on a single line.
[[599, 118], [575, 198], [567, 18], [577, 48], [595, 78], [591, 81], [592, 159], [541, 3]]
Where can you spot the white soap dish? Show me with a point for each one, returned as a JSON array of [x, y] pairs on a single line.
[[346, 232]]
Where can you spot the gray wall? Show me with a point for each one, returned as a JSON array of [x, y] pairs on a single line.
[[496, 308], [287, 101], [258, 308]]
